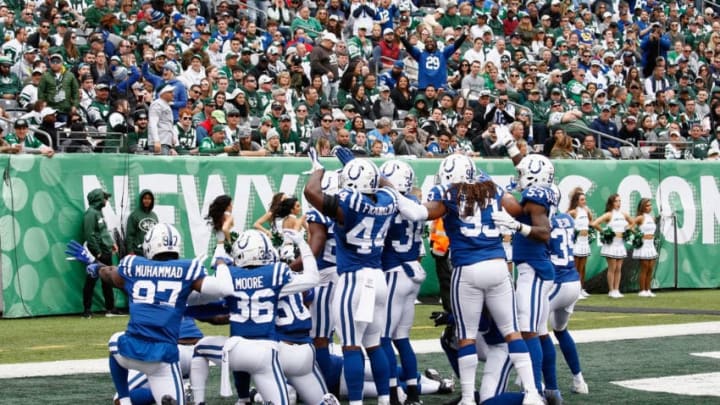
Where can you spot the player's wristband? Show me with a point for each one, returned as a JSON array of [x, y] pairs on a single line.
[[524, 230]]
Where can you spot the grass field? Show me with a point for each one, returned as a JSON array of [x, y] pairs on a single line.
[[602, 363], [71, 337]]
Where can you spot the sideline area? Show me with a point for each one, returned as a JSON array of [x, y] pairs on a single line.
[[70, 367]]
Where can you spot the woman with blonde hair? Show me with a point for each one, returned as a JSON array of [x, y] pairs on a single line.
[[563, 148], [613, 248], [646, 254], [582, 216]]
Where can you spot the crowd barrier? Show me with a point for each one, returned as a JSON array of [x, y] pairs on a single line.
[[43, 200]]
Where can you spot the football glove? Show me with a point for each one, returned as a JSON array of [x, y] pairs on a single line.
[[314, 161], [344, 155], [93, 269], [79, 252]]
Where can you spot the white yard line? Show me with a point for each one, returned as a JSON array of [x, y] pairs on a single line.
[[421, 347]]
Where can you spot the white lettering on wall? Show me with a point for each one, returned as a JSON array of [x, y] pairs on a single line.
[[676, 188], [710, 208]]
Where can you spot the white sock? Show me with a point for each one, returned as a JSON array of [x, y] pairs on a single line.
[[467, 365], [578, 378], [199, 370], [523, 366]]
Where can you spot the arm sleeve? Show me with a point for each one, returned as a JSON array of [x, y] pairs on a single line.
[[218, 286], [155, 80], [306, 280], [411, 210]]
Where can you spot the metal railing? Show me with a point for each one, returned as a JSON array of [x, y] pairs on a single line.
[[600, 135], [34, 129]]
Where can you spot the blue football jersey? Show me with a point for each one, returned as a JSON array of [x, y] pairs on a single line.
[[528, 250], [403, 241], [561, 248], [327, 258], [292, 320], [254, 300], [189, 330], [157, 293], [472, 239], [361, 238]]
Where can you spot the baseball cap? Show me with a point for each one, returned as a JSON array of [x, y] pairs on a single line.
[[399, 64], [21, 123], [218, 128], [265, 79], [631, 118], [272, 133], [219, 116], [166, 89], [329, 36], [47, 111], [200, 20], [171, 66], [384, 88], [605, 107], [349, 107], [285, 117], [102, 86], [388, 31]]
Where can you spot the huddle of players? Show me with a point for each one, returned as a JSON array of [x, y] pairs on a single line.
[[512, 322], [374, 228]]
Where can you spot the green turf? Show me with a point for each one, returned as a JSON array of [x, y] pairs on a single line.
[[685, 299], [602, 363], [71, 337]]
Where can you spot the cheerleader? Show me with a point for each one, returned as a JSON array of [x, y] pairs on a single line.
[[582, 216], [288, 216], [646, 254], [614, 251]]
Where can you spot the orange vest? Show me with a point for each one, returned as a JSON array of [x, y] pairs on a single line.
[[438, 239]]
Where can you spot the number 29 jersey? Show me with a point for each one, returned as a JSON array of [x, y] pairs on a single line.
[[157, 292], [361, 237], [472, 239]]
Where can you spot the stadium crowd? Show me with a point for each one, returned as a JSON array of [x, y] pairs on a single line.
[[382, 77]]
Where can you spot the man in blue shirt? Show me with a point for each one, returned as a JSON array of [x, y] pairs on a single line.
[[432, 63]]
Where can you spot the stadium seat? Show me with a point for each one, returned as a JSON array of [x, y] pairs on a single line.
[[9, 104]]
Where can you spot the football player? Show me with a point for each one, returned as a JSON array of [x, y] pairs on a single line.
[[404, 275], [321, 237], [158, 286], [362, 212], [467, 201], [536, 273], [565, 293], [258, 281]]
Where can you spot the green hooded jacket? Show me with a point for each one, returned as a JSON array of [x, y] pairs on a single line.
[[139, 222], [95, 229]]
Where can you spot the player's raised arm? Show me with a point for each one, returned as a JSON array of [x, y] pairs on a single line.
[[310, 277], [327, 204]]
